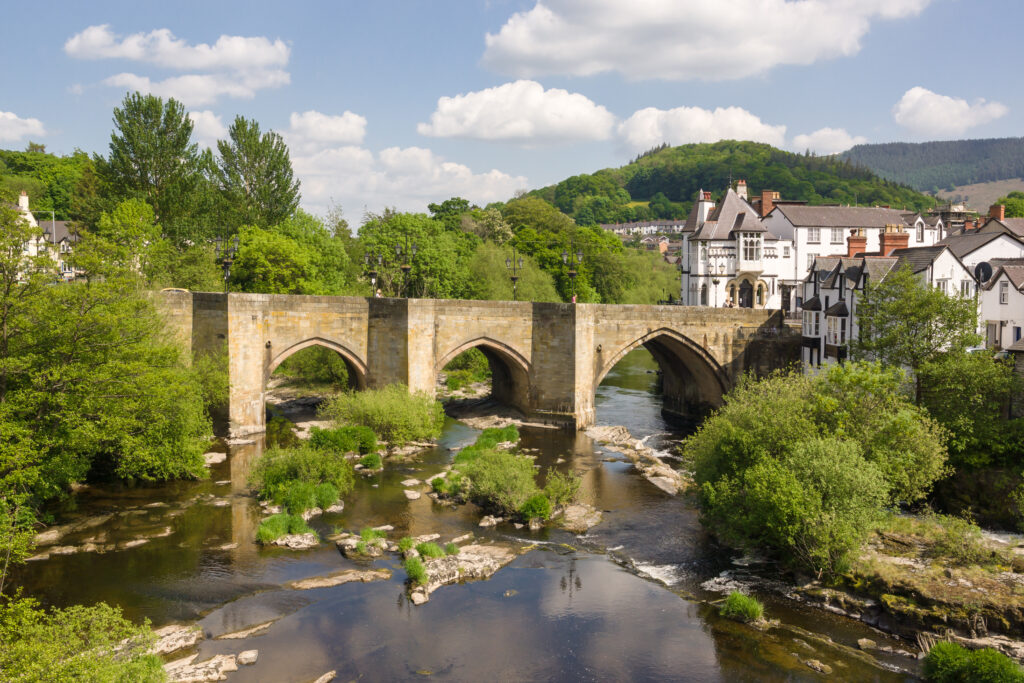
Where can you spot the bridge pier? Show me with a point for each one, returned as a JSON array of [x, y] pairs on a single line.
[[547, 359]]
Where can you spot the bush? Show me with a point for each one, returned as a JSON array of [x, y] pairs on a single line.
[[454, 485], [742, 608], [326, 495], [501, 480], [429, 549], [416, 570], [350, 439], [562, 489], [392, 412], [371, 461], [492, 436], [280, 466], [451, 549], [536, 506], [276, 526], [296, 497], [405, 544], [952, 663], [959, 542], [75, 643]]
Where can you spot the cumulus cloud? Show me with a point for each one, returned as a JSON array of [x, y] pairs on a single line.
[[234, 66], [649, 127], [522, 112], [13, 127], [406, 178], [312, 130], [827, 141], [682, 39], [927, 113], [207, 128], [162, 48]]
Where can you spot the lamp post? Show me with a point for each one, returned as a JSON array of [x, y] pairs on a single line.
[[226, 251], [406, 256], [573, 258], [373, 266], [515, 267]]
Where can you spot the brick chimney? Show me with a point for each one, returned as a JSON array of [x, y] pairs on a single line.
[[704, 206], [741, 188], [23, 201], [768, 201], [893, 238], [856, 243], [997, 211]]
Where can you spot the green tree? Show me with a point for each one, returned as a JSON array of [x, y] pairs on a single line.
[[272, 263], [904, 322], [132, 225], [1014, 203], [255, 175], [152, 155], [489, 277]]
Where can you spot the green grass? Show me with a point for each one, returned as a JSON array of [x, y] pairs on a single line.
[[416, 570], [362, 548], [952, 663], [562, 489], [371, 461], [276, 526], [451, 549], [430, 549], [348, 439], [742, 607], [405, 544], [392, 412], [501, 480], [279, 469], [369, 534]]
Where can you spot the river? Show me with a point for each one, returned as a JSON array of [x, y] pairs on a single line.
[[622, 602]]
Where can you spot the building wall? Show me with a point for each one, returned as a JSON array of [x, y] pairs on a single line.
[[1007, 319]]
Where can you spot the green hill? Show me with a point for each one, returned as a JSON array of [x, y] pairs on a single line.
[[670, 177], [932, 166]]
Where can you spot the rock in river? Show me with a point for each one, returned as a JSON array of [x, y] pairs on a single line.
[[580, 517], [174, 637], [215, 669], [246, 657], [472, 562], [298, 541], [339, 578], [411, 495]]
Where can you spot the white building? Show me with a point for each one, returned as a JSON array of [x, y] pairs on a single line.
[[1002, 306], [976, 247], [57, 239], [729, 258]]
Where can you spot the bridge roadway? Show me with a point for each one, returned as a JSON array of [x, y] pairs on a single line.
[[547, 359]]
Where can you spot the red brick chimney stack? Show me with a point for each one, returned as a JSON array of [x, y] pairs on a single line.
[[767, 202], [997, 211], [893, 238], [856, 243]]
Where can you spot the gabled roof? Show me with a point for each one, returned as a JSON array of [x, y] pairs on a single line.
[[1015, 274], [837, 310], [918, 258], [691, 219], [876, 268], [1014, 226], [841, 216], [812, 304], [63, 230], [733, 214], [964, 243]]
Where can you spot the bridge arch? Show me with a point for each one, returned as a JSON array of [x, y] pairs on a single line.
[[693, 381], [354, 364], [510, 370]]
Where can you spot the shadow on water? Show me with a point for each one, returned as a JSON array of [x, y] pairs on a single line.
[[614, 604]]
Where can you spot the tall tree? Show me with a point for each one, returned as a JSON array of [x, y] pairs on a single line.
[[152, 155], [255, 175]]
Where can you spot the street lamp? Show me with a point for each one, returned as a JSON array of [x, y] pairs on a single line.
[[573, 258], [373, 267], [515, 266], [226, 251], [406, 256]]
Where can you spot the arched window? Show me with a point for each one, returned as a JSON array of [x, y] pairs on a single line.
[[760, 295], [703, 253], [703, 295], [920, 231], [732, 294]]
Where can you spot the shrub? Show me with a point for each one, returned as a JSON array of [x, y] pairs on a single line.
[[392, 412], [276, 526], [959, 542], [562, 489], [742, 608], [405, 544], [371, 461], [952, 663], [454, 484], [536, 506], [349, 439], [492, 436], [430, 549], [296, 497], [280, 466], [326, 495], [501, 480], [451, 549], [369, 534], [416, 570]]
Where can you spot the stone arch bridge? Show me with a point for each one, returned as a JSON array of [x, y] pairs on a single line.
[[547, 359]]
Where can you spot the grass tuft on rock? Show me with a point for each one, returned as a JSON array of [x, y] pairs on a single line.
[[430, 549], [283, 524], [740, 607], [416, 570]]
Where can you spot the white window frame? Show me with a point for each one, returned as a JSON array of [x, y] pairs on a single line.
[[837, 236], [1004, 293], [814, 235]]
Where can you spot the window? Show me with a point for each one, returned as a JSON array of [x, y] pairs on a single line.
[[703, 295], [760, 295], [703, 253], [785, 252], [751, 247], [1004, 292], [942, 286], [965, 288], [837, 235], [842, 286], [814, 235], [920, 232], [842, 330], [815, 326], [1016, 333]]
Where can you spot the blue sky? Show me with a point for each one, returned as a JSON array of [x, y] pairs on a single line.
[[394, 103]]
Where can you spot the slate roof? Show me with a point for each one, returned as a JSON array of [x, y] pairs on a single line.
[[812, 304], [1014, 226], [964, 243], [841, 216], [876, 268], [837, 310], [691, 219], [63, 230], [918, 258], [1014, 273], [733, 214]]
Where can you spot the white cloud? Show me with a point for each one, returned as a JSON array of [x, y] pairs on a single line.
[[234, 66], [927, 113], [160, 47], [649, 127], [523, 112], [199, 90], [312, 130], [207, 128], [406, 178], [682, 39], [13, 127], [827, 141]]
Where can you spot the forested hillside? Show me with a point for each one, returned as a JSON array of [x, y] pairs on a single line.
[[662, 183], [933, 166]]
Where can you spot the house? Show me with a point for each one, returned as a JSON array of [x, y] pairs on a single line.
[[835, 284], [57, 239], [1001, 301], [729, 258], [998, 222], [816, 231], [651, 227], [652, 243], [984, 247]]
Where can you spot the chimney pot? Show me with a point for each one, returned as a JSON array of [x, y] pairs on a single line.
[[997, 211], [893, 238], [856, 243], [768, 201]]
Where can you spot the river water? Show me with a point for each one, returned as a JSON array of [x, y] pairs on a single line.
[[622, 602]]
